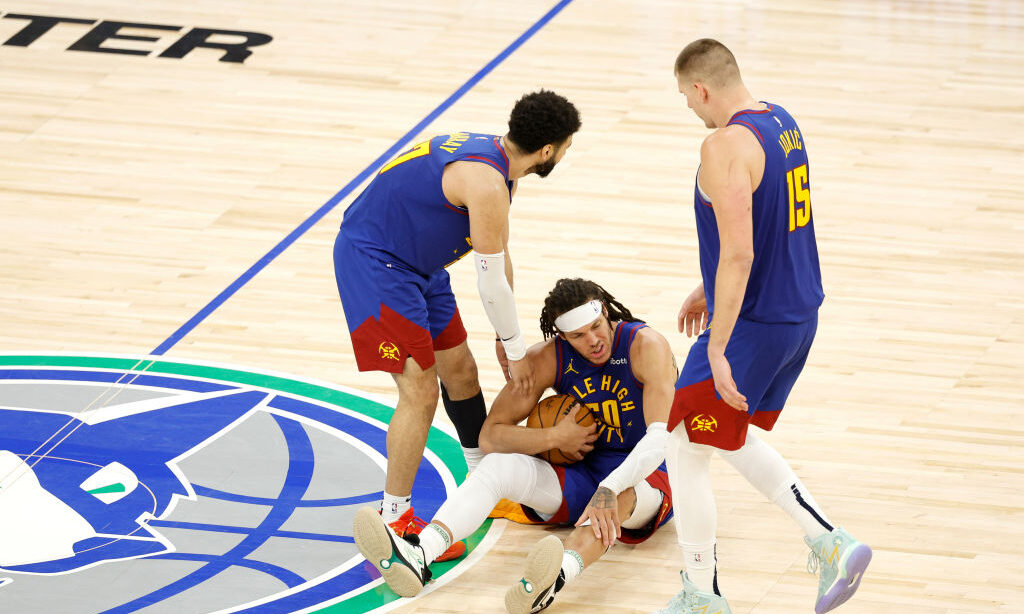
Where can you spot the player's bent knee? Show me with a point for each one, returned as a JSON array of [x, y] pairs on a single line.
[[646, 505], [462, 383], [510, 476], [627, 502]]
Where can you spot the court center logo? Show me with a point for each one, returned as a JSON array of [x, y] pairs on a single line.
[[127, 483]]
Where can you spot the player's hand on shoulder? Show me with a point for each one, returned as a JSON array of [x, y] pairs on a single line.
[[520, 374], [499, 350]]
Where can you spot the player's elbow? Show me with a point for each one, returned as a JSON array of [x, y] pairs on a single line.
[[738, 258]]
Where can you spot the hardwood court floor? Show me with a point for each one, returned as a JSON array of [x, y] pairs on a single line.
[[134, 189]]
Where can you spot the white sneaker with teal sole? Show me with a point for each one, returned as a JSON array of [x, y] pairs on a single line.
[[840, 561], [399, 560], [692, 600], [536, 589]]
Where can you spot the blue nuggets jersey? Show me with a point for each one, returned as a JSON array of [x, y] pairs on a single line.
[[785, 278], [609, 391], [403, 215]]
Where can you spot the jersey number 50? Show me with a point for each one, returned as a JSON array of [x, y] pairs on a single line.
[[799, 196]]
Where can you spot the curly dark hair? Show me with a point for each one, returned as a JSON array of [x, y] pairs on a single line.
[[569, 294], [541, 118]]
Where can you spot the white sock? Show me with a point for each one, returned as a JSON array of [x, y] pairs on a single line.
[[473, 456], [768, 472], [801, 507], [696, 515], [700, 565], [572, 565], [392, 507], [434, 540]]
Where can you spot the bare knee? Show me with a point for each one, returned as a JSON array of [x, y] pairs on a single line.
[[458, 372], [417, 387]]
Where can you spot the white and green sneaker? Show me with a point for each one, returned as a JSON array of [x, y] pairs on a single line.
[[692, 600], [542, 579], [399, 560], [840, 561]]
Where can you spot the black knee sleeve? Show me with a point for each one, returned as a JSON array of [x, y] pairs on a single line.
[[467, 415]]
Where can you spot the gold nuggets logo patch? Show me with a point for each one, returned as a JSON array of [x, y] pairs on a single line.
[[388, 350], [704, 423]]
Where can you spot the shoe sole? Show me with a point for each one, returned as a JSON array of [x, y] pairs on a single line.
[[846, 584], [374, 542], [542, 567]]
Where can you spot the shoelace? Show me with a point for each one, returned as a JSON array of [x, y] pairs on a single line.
[[691, 601], [813, 562], [416, 523], [674, 602]]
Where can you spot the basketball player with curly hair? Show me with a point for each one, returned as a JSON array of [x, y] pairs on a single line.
[[425, 210], [622, 372]]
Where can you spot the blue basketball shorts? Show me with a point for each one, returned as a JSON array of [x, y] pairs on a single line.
[[394, 312], [766, 360], [579, 483]]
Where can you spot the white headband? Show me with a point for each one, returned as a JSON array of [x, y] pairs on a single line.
[[579, 316]]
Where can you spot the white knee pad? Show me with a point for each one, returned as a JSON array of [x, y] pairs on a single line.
[[648, 502], [523, 479], [518, 477]]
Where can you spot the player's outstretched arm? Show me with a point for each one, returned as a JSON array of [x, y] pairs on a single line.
[[483, 191], [651, 360]]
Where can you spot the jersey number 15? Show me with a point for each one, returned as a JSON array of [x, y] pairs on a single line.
[[799, 197]]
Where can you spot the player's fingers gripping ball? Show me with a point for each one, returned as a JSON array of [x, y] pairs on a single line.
[[549, 412]]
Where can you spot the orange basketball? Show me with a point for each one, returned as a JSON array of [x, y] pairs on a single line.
[[551, 411]]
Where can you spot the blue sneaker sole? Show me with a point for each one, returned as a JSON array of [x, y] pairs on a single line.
[[853, 565]]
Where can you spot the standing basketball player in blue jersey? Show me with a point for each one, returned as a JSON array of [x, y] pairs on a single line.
[[759, 302], [424, 210], [619, 370]]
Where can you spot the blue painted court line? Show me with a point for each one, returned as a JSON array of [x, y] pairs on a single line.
[[221, 528], [228, 496], [296, 483], [399, 145]]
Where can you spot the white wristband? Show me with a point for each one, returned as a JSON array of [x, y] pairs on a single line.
[[515, 348]]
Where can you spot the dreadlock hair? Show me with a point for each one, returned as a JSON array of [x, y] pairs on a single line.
[[571, 293]]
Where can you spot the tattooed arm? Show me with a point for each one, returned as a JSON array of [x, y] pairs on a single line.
[[603, 513]]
